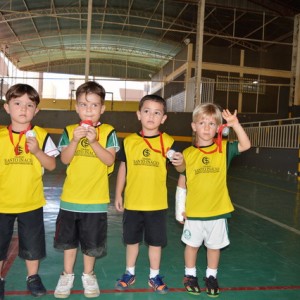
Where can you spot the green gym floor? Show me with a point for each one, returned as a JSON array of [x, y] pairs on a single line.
[[261, 263]]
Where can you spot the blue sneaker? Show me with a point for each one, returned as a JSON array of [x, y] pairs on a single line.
[[125, 281], [158, 285]]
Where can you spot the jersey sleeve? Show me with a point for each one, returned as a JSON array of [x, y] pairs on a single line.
[[112, 141], [232, 151], [64, 140], [50, 148]]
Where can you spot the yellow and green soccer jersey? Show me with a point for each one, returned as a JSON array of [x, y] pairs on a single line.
[[206, 180], [146, 172], [21, 185], [86, 185]]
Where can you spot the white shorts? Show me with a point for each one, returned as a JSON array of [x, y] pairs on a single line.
[[214, 233]]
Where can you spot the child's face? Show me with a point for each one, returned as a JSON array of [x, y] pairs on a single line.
[[21, 110], [89, 107], [151, 115], [205, 129]]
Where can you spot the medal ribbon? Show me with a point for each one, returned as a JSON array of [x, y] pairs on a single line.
[[16, 147], [90, 123], [162, 151]]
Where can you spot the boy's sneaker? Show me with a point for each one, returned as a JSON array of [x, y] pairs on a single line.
[[90, 285], [158, 285], [212, 287], [2, 283], [191, 285], [35, 286], [125, 281], [64, 285]]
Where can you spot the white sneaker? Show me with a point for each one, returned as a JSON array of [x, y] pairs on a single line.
[[90, 285], [64, 285]]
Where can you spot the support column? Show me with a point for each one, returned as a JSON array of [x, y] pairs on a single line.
[[88, 40], [189, 82], [240, 99], [295, 81], [41, 84], [199, 51]]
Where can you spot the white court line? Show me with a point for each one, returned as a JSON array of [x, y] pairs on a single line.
[[267, 219], [282, 225]]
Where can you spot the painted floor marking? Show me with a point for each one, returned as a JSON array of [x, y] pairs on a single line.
[[282, 225], [172, 290]]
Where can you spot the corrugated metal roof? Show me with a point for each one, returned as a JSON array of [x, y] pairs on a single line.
[[132, 39]]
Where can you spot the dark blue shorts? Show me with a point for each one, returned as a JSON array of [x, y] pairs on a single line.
[[31, 234], [87, 229], [147, 226]]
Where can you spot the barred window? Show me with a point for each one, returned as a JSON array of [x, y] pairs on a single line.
[[240, 85]]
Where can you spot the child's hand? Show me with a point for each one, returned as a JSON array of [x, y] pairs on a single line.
[[184, 218], [119, 204], [79, 133], [32, 144], [231, 119], [91, 134], [177, 159]]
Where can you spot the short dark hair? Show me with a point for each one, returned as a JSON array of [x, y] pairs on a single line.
[[20, 89], [91, 87], [154, 98]]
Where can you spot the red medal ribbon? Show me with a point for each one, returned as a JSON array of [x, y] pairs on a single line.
[[90, 123], [162, 151], [209, 152], [16, 147]]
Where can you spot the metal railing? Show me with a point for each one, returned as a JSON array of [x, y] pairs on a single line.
[[281, 133]]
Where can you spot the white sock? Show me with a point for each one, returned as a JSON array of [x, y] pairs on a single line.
[[153, 273], [211, 272], [190, 271], [131, 270]]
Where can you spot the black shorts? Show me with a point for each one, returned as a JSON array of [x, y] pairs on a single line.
[[87, 229], [148, 226], [31, 234]]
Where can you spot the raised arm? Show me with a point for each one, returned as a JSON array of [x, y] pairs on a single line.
[[232, 121]]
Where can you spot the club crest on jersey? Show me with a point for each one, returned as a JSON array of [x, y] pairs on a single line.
[[84, 142], [146, 152], [20, 150], [205, 160]]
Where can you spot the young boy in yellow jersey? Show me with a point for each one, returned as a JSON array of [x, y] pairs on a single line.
[[25, 150], [143, 173], [89, 149], [208, 204]]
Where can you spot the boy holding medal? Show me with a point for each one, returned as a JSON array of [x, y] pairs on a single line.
[[89, 150], [25, 150], [143, 174]]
